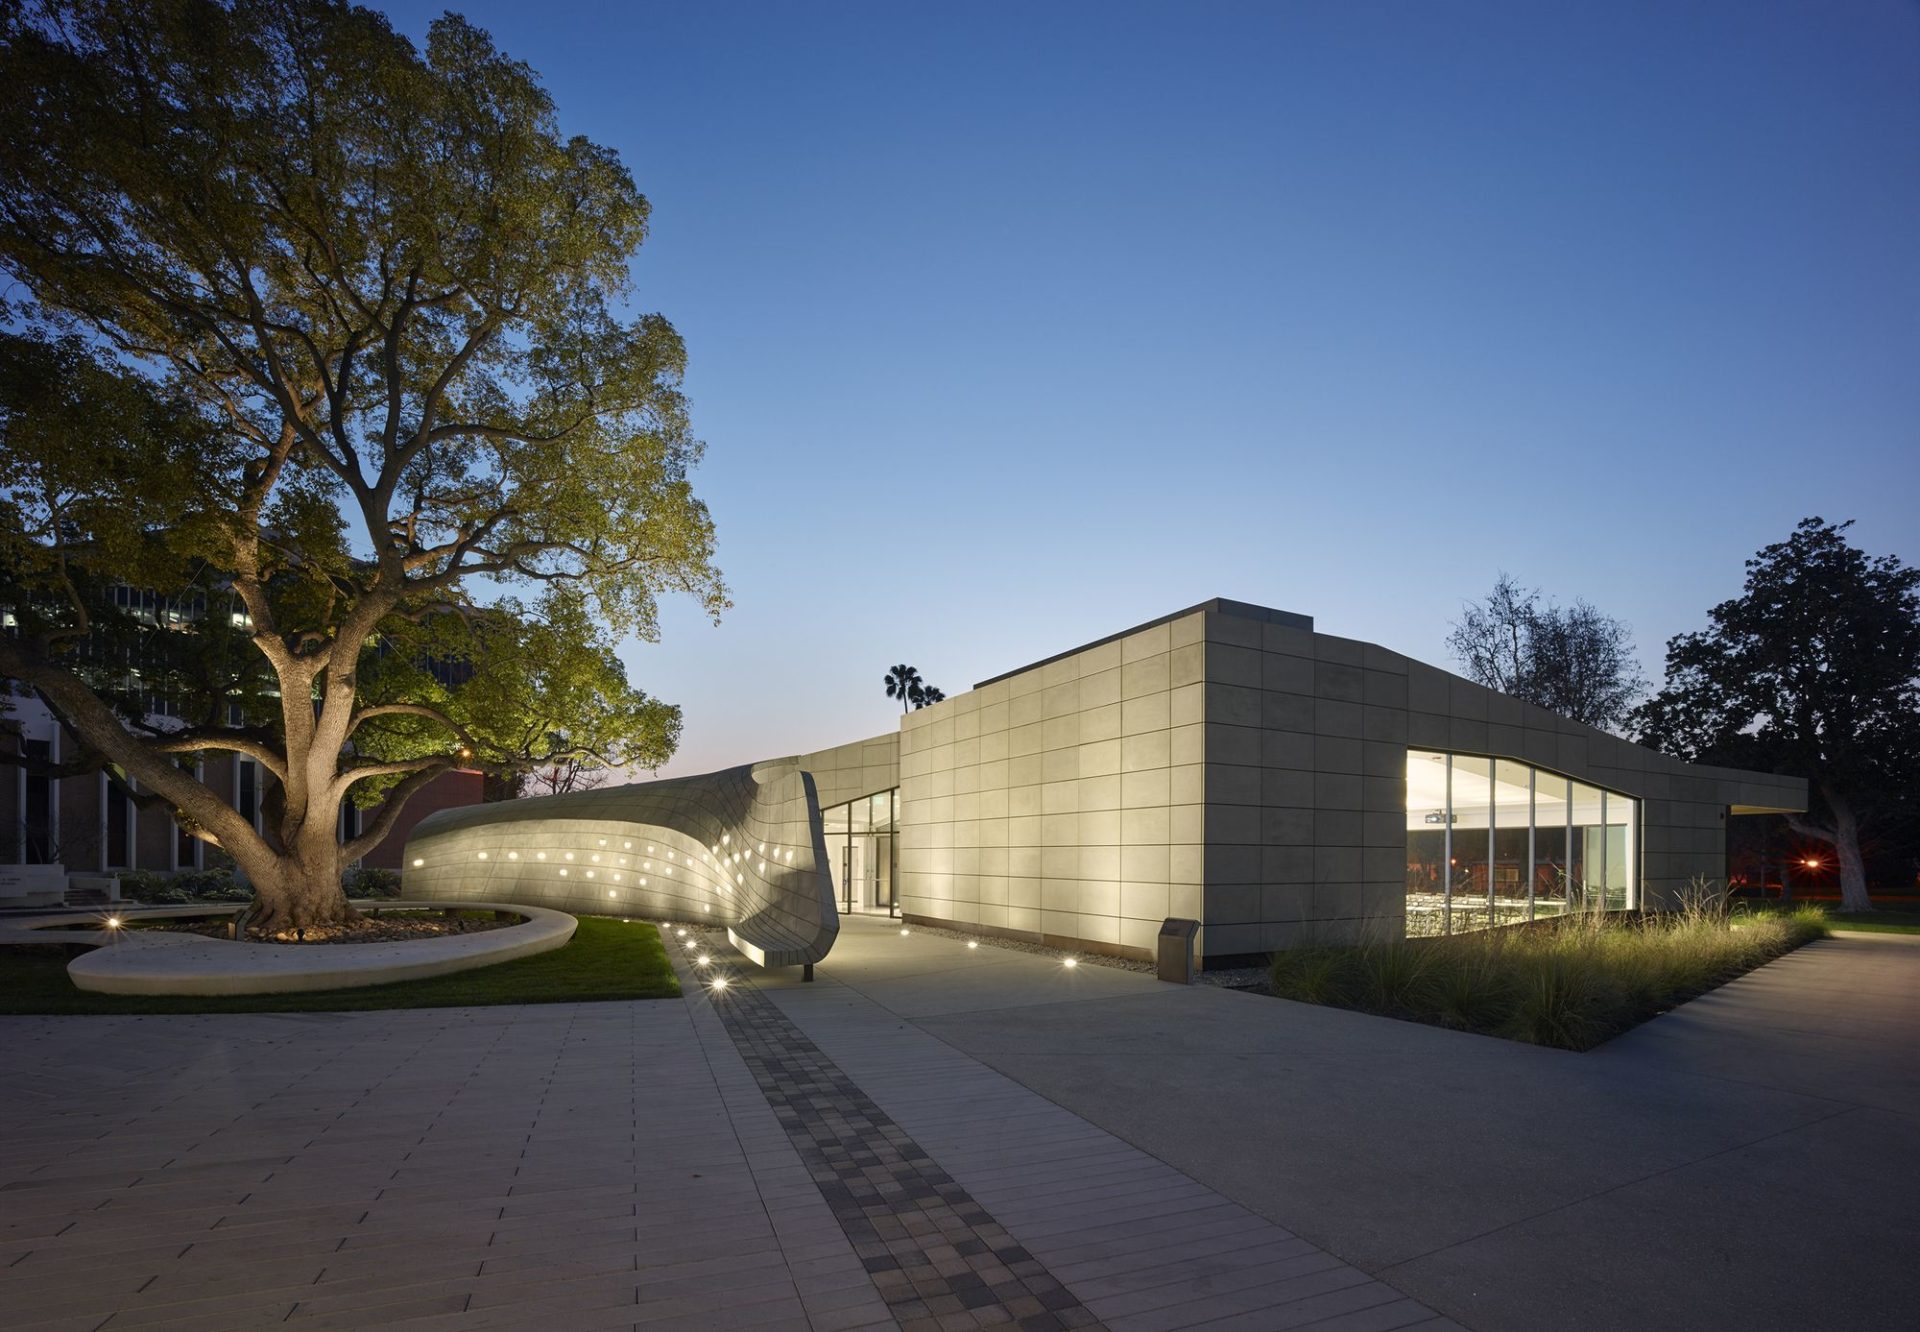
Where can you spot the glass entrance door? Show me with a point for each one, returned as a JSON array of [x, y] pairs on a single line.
[[861, 853]]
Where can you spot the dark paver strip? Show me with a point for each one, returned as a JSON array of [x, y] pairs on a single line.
[[933, 1251]]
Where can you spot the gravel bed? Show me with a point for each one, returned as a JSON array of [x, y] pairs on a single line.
[[1235, 978]]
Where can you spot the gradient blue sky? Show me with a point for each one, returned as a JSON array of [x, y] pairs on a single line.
[[1012, 325]]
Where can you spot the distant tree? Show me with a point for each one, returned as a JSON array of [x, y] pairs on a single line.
[[1813, 670], [1574, 660], [904, 683]]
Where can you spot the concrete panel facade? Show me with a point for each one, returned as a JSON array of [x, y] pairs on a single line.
[[1065, 801], [1226, 763]]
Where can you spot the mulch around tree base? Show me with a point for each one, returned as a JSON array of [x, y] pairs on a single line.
[[368, 929]]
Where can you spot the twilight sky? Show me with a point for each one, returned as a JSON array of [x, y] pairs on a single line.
[[1012, 325]]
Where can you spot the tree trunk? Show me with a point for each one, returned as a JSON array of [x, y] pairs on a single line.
[[1853, 867], [300, 886]]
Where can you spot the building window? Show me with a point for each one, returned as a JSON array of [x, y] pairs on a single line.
[[1494, 842], [117, 845], [247, 788], [36, 808]]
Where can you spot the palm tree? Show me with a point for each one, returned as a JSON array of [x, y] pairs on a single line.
[[929, 696], [903, 682]]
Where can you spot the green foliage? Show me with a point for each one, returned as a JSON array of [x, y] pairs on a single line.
[[327, 341], [1570, 984], [370, 882], [189, 886], [1814, 669]]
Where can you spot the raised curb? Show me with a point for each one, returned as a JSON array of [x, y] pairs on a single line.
[[190, 965]]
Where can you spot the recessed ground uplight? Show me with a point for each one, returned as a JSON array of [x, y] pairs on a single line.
[[905, 933], [973, 943], [113, 922], [417, 862], [1069, 962], [682, 933], [719, 982], [703, 960]]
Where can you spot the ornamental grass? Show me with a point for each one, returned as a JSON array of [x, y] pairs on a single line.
[[1571, 982]]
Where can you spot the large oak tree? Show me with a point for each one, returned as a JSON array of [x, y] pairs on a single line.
[[1813, 670], [323, 339]]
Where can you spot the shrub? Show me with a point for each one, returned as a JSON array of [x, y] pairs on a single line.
[[212, 885], [151, 887], [366, 881]]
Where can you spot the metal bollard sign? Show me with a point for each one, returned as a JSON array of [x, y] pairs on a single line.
[[1175, 961]]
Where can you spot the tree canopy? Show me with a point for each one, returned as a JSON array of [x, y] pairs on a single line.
[[325, 342], [1813, 670], [1572, 660]]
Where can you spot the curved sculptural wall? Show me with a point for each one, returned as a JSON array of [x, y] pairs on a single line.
[[740, 848]]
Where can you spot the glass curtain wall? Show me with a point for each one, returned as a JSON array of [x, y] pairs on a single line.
[[1494, 842], [862, 852]]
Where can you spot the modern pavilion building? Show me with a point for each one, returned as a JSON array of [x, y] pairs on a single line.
[[1225, 764]]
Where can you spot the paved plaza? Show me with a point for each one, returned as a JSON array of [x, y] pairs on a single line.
[[932, 1136]]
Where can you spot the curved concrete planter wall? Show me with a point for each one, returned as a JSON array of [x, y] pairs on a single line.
[[152, 963], [741, 848]]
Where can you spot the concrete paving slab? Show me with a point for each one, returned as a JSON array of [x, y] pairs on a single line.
[[1429, 1157]]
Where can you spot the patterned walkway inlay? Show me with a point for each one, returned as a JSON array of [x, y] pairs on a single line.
[[935, 1254]]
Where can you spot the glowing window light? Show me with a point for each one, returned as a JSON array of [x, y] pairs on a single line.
[[725, 838], [643, 882], [763, 848], [483, 855], [569, 855], [563, 871], [628, 845], [649, 849], [646, 864], [763, 867], [542, 855], [609, 892], [589, 874], [513, 855]]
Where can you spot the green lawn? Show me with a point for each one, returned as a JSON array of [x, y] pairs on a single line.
[[606, 959], [1877, 922]]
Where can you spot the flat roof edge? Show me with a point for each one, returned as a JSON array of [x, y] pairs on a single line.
[[1240, 610]]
